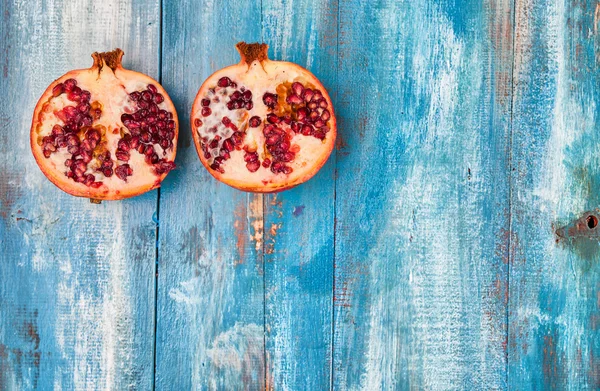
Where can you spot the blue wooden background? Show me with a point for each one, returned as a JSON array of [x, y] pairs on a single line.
[[422, 256]]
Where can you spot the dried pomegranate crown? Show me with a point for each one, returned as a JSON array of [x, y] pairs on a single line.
[[262, 125], [105, 132]]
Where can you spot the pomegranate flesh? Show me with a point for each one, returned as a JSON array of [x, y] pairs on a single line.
[[262, 125], [106, 132]]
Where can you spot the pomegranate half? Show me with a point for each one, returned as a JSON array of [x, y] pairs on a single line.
[[106, 132], [261, 125]]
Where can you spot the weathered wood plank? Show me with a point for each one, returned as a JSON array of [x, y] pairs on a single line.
[[299, 223], [210, 332], [422, 194], [77, 279], [554, 340]]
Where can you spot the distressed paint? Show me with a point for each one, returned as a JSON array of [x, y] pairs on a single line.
[[210, 329], [299, 245], [422, 195], [554, 339], [77, 285]]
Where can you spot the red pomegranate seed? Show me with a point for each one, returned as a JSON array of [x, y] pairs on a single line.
[[319, 134], [58, 89], [313, 115], [226, 121], [69, 84], [287, 170], [323, 103], [248, 106], [206, 111], [294, 100], [307, 130], [270, 100], [272, 140], [284, 145], [73, 149], [83, 107], [122, 155], [276, 167], [250, 157], [135, 142], [165, 143], [301, 114], [312, 105], [295, 126], [273, 118], [237, 138], [318, 96], [319, 123], [147, 96], [158, 98], [297, 88], [135, 96], [205, 102], [231, 105], [123, 171], [107, 172], [57, 130], [288, 156], [325, 115], [308, 95], [253, 166], [89, 179], [266, 163], [247, 95], [224, 82], [152, 88], [228, 145], [255, 122], [236, 95]]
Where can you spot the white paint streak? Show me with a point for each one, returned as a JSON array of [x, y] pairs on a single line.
[[238, 349]]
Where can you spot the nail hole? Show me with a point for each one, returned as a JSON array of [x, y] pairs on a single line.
[[592, 222]]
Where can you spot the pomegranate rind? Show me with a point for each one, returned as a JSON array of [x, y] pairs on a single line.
[[268, 187], [131, 188]]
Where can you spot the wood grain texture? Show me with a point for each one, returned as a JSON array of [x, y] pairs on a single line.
[[299, 223], [210, 330], [555, 285], [422, 195], [77, 279]]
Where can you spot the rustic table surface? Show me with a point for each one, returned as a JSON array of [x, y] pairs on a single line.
[[424, 255]]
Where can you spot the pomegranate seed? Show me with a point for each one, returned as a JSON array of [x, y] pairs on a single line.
[[141, 148], [150, 119], [107, 172], [313, 115], [307, 130], [228, 145], [68, 162], [73, 149], [171, 124], [152, 88], [294, 100], [135, 142], [214, 144], [319, 134], [273, 118], [284, 145], [57, 130], [149, 150], [325, 115], [288, 156], [207, 155], [163, 124], [69, 84], [270, 100], [158, 98], [226, 121], [297, 88], [147, 96], [224, 82], [295, 126], [86, 156], [165, 143], [206, 111], [248, 106], [236, 95], [266, 163], [93, 134], [301, 114], [142, 104], [123, 171], [287, 170], [205, 102], [224, 153], [287, 119], [318, 95], [276, 167], [308, 95], [312, 105], [254, 122], [247, 95], [86, 120], [122, 155], [61, 141], [83, 107], [253, 166], [323, 103], [272, 140], [231, 105], [58, 89], [319, 123], [89, 179], [250, 157], [135, 96], [85, 96], [217, 167], [237, 138]]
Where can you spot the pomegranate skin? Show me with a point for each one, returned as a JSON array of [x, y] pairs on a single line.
[[285, 159], [109, 85]]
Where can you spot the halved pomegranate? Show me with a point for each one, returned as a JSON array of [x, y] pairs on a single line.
[[262, 125], [105, 133]]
